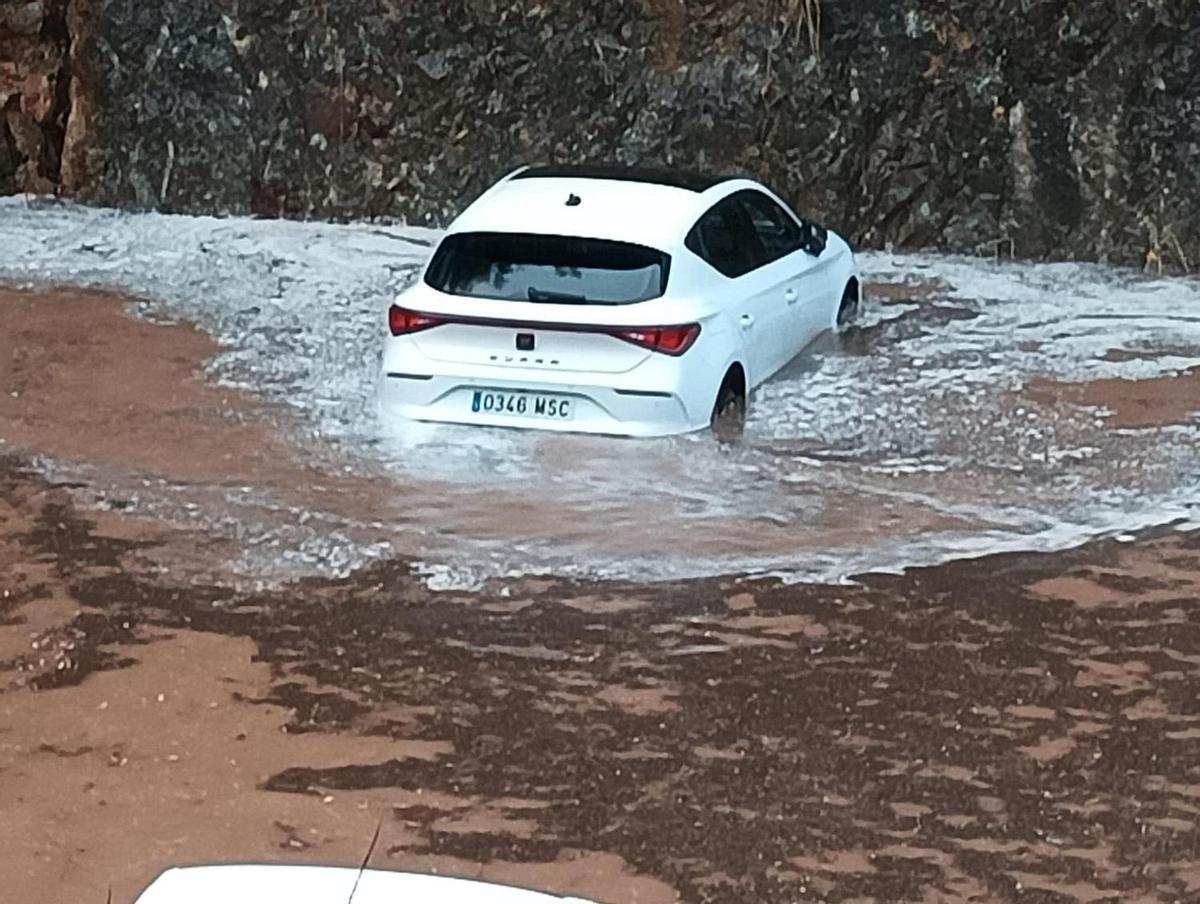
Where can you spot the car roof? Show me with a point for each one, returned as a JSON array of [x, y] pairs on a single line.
[[254, 884], [685, 179], [605, 203]]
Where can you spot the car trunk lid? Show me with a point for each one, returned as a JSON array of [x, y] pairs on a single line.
[[530, 344]]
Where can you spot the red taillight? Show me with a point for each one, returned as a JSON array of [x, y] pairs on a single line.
[[402, 321], [670, 340]]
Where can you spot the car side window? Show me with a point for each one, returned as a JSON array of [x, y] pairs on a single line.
[[724, 237], [777, 230]]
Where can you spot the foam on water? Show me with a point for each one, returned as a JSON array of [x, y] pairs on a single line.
[[911, 439]]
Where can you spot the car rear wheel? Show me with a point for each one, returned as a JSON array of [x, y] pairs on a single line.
[[848, 309], [729, 413]]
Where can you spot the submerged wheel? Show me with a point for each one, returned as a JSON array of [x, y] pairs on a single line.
[[848, 309], [729, 413]]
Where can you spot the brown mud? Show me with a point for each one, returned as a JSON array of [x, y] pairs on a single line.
[[959, 733], [1154, 402], [84, 381], [1018, 727]]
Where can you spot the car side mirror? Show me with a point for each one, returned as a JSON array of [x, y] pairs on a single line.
[[813, 238]]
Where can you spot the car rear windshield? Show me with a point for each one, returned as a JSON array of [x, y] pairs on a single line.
[[547, 268]]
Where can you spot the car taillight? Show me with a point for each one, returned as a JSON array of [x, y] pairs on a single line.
[[670, 340], [402, 321]]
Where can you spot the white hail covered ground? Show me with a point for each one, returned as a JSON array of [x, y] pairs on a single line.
[[930, 431], [256, 884], [627, 302]]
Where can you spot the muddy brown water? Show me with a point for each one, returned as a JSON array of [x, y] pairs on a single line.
[[86, 383], [961, 733], [122, 405], [1154, 402], [1018, 727]]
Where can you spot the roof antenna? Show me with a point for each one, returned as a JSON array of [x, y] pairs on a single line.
[[108, 900], [574, 200], [363, 867]]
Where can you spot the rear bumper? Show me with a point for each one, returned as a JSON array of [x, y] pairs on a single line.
[[651, 400]]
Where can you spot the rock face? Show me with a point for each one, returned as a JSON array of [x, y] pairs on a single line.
[[1037, 128], [33, 94], [165, 116]]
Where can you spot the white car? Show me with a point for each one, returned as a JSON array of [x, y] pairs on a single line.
[[616, 301], [256, 884]]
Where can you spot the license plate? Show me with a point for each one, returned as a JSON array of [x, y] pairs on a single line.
[[523, 404]]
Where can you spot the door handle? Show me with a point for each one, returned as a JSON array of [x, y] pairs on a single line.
[[790, 296], [747, 321]]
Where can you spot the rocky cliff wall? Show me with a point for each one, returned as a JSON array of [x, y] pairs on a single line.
[[34, 94], [1038, 128]]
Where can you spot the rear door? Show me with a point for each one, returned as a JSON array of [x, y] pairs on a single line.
[[725, 238], [806, 306]]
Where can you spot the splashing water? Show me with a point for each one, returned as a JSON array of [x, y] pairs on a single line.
[[936, 428]]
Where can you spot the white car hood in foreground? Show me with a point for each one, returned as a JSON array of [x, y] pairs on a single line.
[[252, 884]]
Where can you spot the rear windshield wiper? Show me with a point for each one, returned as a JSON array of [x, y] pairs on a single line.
[[564, 297]]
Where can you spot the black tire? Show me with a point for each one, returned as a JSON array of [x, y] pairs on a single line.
[[848, 309], [729, 413]]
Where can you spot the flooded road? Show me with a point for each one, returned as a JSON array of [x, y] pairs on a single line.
[[242, 619], [978, 407]]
